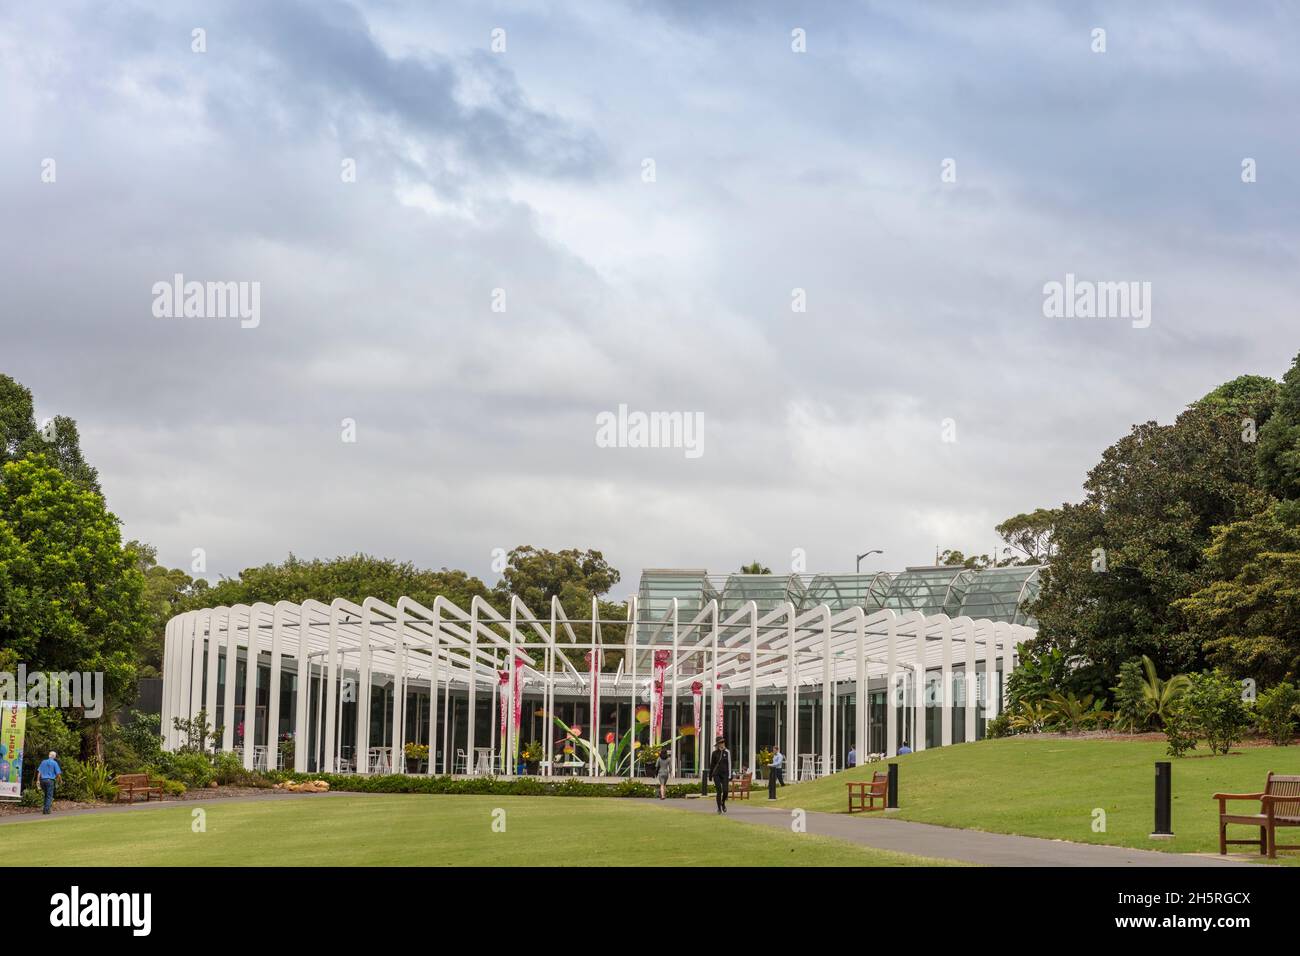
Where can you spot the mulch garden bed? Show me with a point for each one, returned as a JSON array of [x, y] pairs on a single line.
[[206, 793]]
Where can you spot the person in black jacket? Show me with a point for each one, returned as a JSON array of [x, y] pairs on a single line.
[[720, 771]]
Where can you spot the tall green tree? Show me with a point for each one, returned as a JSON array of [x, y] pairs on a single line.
[[1279, 439], [59, 439], [1247, 614], [71, 597], [354, 578], [1135, 545]]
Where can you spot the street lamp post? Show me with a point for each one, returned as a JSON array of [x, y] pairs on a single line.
[[867, 555]]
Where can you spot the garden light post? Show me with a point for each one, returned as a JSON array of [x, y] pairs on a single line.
[[1164, 808], [891, 794]]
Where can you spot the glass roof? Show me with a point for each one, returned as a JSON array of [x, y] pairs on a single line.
[[996, 594], [1000, 594], [840, 592], [768, 591], [933, 590], [691, 587]]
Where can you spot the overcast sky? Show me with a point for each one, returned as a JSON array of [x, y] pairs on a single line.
[[524, 170]]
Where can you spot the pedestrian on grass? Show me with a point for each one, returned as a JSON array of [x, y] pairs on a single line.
[[778, 765], [905, 749], [663, 767], [853, 757], [49, 772], [720, 771]]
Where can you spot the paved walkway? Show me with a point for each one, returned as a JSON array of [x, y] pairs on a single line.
[[970, 846]]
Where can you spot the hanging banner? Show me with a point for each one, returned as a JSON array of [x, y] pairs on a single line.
[[717, 721], [697, 699], [511, 700], [11, 749], [657, 703]]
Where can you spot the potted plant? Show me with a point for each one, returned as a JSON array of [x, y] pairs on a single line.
[[415, 755], [764, 760], [531, 754]]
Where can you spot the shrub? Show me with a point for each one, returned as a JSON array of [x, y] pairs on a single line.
[[73, 786], [1212, 708], [1181, 731], [519, 786], [32, 797], [999, 726], [170, 788], [141, 736], [192, 768], [98, 782], [228, 768], [1132, 709], [1275, 713]]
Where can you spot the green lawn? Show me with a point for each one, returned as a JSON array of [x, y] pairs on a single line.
[[425, 830], [1050, 786]]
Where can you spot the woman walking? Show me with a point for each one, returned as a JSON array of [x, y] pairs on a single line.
[[720, 771], [663, 767]]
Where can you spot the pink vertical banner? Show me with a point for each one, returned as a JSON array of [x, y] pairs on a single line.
[[717, 720], [697, 698], [657, 698]]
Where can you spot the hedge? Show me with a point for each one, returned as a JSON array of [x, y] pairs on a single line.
[[519, 786]]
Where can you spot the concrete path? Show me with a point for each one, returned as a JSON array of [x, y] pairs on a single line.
[[970, 846]]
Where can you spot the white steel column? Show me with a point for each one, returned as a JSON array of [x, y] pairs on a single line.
[[753, 687], [331, 687], [828, 715], [232, 662], [397, 763], [968, 678], [277, 674], [250, 684], [945, 686], [301, 729], [791, 698], [919, 682], [861, 738], [990, 654], [471, 763], [672, 728], [893, 697], [216, 628]]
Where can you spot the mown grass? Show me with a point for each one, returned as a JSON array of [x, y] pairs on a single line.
[[424, 830]]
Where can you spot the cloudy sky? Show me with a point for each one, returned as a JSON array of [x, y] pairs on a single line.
[[524, 169]]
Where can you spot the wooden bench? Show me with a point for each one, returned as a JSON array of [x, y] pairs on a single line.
[[129, 784], [739, 786], [1279, 805], [863, 794]]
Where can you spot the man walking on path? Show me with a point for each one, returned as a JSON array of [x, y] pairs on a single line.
[[48, 772]]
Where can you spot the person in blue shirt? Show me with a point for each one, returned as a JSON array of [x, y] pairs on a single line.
[[853, 757], [905, 749], [48, 772], [778, 765]]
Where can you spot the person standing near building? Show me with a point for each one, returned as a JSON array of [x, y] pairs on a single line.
[[777, 766], [853, 757], [49, 772], [720, 771]]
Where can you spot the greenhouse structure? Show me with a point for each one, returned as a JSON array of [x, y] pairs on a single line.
[[819, 664]]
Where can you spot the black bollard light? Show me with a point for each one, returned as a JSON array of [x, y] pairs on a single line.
[[891, 798], [771, 783], [704, 782], [1164, 801]]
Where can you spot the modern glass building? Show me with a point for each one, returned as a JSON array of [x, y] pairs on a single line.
[[820, 664]]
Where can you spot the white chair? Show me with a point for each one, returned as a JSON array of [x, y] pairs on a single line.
[[460, 763], [807, 767]]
